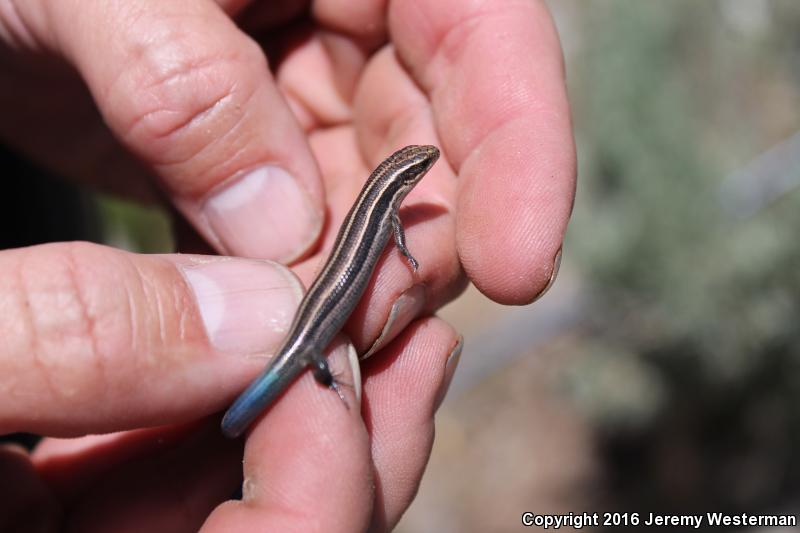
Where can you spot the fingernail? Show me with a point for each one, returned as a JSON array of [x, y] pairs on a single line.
[[355, 370], [406, 308], [450, 370], [342, 352], [264, 214], [553, 275], [246, 305]]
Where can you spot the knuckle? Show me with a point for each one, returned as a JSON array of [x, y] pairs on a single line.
[[183, 95], [74, 326]]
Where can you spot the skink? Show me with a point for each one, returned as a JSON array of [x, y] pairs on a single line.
[[336, 291]]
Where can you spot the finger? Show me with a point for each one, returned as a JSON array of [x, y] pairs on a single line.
[[307, 458], [72, 467], [191, 95], [366, 19], [333, 47], [336, 62], [396, 294], [402, 390], [494, 74], [99, 340], [131, 479]]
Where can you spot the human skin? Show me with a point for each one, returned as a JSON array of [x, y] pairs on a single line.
[[263, 159]]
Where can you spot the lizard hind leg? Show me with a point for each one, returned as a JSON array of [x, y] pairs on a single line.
[[324, 376]]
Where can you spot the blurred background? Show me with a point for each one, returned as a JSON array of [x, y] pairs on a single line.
[[662, 371]]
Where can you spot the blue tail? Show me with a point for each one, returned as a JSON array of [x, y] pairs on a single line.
[[260, 394]]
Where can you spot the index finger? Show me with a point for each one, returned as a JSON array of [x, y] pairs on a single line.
[[494, 73]]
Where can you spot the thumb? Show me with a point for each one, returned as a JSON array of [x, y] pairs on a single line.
[[99, 340], [191, 95]]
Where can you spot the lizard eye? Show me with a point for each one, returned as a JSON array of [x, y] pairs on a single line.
[[416, 171]]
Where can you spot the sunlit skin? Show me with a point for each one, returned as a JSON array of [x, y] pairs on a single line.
[[98, 340]]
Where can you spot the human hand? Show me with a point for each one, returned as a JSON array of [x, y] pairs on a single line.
[[196, 104], [84, 357]]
